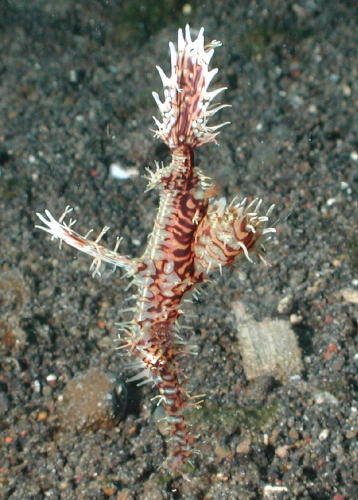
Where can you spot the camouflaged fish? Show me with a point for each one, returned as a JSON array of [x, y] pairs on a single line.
[[193, 235]]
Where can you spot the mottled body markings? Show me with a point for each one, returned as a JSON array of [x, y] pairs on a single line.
[[193, 235]]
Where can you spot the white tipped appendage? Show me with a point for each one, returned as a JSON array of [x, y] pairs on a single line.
[[62, 231], [186, 107]]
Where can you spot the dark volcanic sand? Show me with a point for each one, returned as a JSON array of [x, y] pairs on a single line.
[[75, 97]]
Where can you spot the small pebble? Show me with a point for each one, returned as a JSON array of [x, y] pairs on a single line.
[[347, 91], [271, 491], [109, 491], [281, 451], [36, 386], [295, 319], [244, 446], [90, 401], [285, 304], [351, 434], [293, 434], [323, 435], [187, 9], [325, 397], [125, 495], [222, 451], [42, 416]]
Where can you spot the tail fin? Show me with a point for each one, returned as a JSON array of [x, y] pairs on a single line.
[[187, 102]]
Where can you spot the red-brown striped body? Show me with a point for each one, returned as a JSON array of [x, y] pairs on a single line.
[[192, 234], [166, 272]]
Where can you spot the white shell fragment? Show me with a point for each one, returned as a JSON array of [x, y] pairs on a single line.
[[116, 171], [267, 347]]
